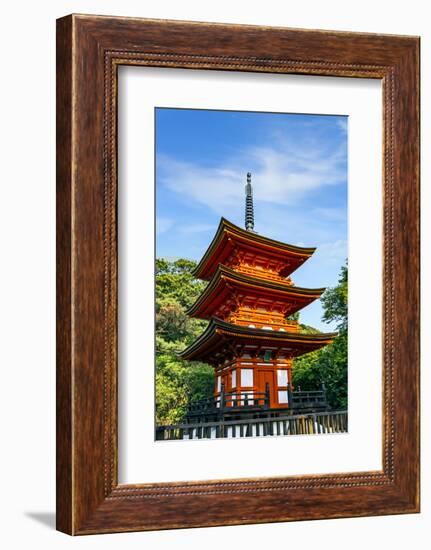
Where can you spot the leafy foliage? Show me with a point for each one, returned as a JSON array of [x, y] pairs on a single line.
[[293, 316], [334, 302], [329, 364], [177, 381]]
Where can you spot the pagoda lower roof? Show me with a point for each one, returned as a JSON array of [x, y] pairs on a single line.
[[220, 338], [225, 282], [229, 235]]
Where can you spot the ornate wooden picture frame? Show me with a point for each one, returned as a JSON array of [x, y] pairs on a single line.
[[89, 51]]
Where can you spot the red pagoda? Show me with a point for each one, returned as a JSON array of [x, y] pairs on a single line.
[[252, 337]]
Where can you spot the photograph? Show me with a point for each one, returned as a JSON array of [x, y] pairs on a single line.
[[237, 273], [251, 274], [214, 235]]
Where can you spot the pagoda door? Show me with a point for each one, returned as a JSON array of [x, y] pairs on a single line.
[[267, 377]]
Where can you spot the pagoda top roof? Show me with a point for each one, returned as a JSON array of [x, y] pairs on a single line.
[[219, 337], [224, 278], [229, 233]]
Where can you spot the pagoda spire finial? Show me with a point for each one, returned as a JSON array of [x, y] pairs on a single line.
[[249, 212]]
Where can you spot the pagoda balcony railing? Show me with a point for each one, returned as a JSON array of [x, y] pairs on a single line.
[[300, 400], [228, 402], [261, 322], [263, 274], [249, 400]]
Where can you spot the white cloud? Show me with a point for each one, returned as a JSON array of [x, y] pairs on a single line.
[[163, 225], [283, 174], [197, 228], [342, 123], [332, 214], [336, 250]]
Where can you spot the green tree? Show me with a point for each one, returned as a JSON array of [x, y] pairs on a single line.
[[328, 365], [177, 381], [334, 302], [174, 279]]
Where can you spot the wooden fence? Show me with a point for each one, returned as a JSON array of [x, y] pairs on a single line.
[[315, 423]]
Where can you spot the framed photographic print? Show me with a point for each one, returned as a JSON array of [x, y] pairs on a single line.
[[238, 274]]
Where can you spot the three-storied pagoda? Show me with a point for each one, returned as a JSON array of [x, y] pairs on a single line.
[[252, 339]]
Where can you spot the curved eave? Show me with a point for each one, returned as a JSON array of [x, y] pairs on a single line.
[[225, 275], [275, 247], [218, 331]]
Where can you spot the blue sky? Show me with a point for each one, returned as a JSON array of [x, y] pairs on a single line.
[[299, 176]]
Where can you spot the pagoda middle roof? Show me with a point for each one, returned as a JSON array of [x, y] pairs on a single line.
[[219, 337], [229, 234], [219, 289]]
